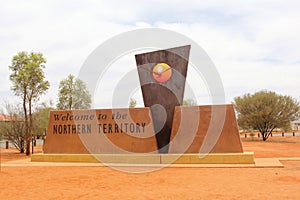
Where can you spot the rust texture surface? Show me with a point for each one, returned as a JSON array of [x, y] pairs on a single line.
[[205, 129], [162, 97], [101, 131]]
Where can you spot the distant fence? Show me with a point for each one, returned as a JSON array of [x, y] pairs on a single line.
[[8, 144], [275, 134]]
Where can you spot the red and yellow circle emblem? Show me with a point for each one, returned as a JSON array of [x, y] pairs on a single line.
[[162, 72]]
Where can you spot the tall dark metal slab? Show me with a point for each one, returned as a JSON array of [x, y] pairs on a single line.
[[162, 77]]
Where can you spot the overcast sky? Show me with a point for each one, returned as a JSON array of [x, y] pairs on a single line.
[[254, 45]]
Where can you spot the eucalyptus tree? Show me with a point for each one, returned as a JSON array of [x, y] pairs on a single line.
[[29, 83]]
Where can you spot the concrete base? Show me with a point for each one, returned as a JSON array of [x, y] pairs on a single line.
[[219, 158], [214, 158]]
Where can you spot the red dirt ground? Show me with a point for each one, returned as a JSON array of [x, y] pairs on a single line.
[[169, 183]]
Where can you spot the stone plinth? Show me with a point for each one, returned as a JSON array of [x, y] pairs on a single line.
[[205, 129], [148, 159], [100, 131]]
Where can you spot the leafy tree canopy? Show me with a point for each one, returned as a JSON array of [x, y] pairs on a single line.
[[28, 75], [73, 94], [41, 118], [132, 103], [189, 102], [29, 83], [264, 111]]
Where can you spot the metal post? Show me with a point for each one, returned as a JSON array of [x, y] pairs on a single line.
[[0, 157], [6, 144], [32, 141]]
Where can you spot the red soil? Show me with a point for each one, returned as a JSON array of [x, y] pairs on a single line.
[[169, 183]]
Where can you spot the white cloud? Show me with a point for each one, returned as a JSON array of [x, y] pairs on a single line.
[[254, 44]]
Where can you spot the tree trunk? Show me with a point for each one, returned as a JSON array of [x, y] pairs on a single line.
[[22, 146], [29, 127], [263, 135], [27, 136]]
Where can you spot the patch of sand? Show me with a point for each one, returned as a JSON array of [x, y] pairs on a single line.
[[274, 147], [169, 183]]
